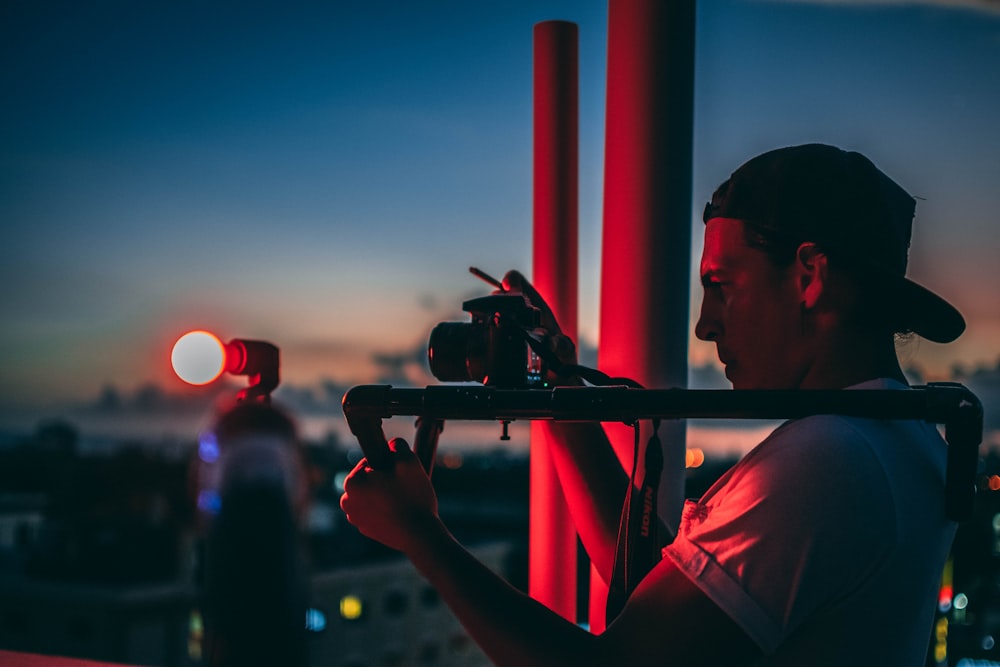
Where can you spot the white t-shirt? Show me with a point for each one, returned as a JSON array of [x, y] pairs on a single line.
[[826, 543]]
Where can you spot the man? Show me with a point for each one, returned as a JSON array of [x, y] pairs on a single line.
[[824, 545]]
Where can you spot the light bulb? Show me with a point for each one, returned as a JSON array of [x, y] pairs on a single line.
[[198, 357]]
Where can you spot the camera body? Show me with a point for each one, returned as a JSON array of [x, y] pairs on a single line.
[[492, 348]]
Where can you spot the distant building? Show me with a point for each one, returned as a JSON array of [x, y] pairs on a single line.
[[361, 616]]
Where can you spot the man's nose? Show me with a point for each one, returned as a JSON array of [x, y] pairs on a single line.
[[707, 327]]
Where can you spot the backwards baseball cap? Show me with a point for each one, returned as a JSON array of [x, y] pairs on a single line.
[[846, 205]]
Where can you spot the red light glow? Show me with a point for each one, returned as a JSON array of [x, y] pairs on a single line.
[[198, 357]]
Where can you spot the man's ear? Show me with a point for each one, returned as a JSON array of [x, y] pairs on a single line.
[[813, 276]]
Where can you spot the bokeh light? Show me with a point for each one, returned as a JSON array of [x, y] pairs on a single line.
[[351, 607]]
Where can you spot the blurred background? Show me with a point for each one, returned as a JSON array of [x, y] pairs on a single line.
[[321, 176]]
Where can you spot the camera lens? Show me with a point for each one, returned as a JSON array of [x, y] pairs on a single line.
[[455, 351]]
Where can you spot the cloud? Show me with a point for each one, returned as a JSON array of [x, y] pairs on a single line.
[[403, 368]]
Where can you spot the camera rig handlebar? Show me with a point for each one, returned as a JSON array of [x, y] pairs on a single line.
[[950, 404]]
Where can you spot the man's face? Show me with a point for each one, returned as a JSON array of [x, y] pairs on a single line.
[[750, 310]]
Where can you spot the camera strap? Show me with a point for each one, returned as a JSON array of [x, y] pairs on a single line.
[[638, 548]]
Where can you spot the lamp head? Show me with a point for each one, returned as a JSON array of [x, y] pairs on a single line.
[[199, 357]]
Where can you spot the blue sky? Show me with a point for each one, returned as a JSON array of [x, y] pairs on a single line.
[[321, 176]]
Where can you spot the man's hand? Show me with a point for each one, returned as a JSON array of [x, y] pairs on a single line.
[[560, 344], [391, 506]]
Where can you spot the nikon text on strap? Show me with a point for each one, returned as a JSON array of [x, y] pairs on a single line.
[[638, 547]]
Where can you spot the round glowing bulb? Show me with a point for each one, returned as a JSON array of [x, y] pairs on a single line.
[[198, 357]]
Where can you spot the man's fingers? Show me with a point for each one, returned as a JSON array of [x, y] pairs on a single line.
[[514, 281], [564, 349], [401, 449]]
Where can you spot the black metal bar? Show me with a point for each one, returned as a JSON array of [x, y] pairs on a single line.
[[935, 403], [425, 440], [941, 403], [964, 432]]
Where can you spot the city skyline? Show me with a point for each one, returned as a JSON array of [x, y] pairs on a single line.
[[322, 176]]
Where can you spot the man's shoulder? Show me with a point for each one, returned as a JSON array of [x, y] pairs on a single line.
[[815, 451], [815, 434], [845, 451], [838, 432]]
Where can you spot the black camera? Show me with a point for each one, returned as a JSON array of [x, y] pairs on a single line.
[[493, 348]]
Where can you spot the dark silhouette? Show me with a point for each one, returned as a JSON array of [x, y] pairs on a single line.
[[255, 591]]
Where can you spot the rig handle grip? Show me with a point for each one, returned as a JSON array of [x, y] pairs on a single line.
[[373, 443], [366, 423]]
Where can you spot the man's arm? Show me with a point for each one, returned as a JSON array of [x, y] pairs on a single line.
[[590, 474], [667, 621]]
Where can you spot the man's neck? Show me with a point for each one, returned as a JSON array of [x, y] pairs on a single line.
[[850, 362]]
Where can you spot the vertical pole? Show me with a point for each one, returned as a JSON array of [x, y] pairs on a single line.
[[646, 240], [552, 538]]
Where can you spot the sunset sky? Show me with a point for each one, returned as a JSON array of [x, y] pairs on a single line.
[[321, 174]]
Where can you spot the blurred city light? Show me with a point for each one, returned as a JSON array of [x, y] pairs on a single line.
[[208, 447], [351, 608], [694, 457], [315, 620]]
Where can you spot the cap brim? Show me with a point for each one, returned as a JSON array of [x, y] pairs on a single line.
[[926, 314]]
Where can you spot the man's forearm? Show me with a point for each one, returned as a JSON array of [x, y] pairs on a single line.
[[509, 626]]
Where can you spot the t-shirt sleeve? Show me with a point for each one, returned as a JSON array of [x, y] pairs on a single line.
[[792, 529]]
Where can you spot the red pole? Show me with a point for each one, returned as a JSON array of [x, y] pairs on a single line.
[[552, 538], [646, 251]]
